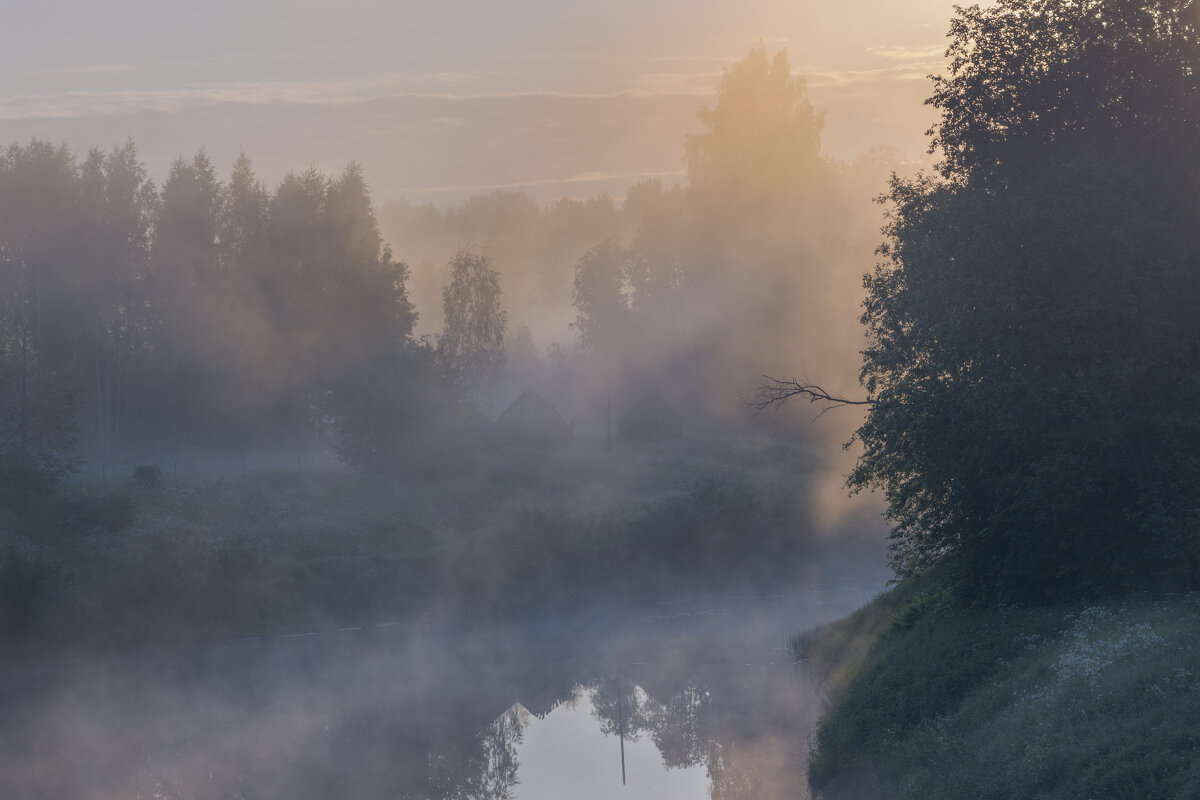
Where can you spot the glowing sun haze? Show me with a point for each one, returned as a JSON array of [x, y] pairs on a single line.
[[440, 100]]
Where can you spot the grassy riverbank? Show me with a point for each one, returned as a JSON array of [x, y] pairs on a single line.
[[276, 552], [934, 701]]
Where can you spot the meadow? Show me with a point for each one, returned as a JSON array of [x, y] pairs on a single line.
[[216, 556]]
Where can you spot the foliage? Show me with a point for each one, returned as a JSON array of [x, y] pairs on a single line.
[[37, 432], [147, 475], [329, 302], [710, 524], [39, 530], [74, 246], [762, 139], [27, 580], [208, 311], [472, 342], [90, 510], [405, 418], [1032, 330], [691, 289], [522, 352], [770, 272], [1031, 81], [600, 299]]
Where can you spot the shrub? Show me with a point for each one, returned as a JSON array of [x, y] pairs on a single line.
[[147, 475], [406, 420], [27, 580], [96, 510]]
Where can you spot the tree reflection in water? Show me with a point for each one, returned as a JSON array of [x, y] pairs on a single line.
[[438, 713], [748, 729]]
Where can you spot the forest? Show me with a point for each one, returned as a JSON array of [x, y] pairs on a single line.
[[217, 328], [148, 319]]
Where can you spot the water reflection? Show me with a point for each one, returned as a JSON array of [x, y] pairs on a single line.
[[746, 728], [566, 754], [426, 711]]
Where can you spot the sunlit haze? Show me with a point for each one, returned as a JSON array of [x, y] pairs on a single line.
[[438, 101]]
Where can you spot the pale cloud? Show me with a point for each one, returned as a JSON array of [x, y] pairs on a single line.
[[822, 78], [438, 146], [914, 64], [660, 83], [772, 42], [610, 57], [901, 52], [727, 59], [92, 104], [584, 177], [91, 69], [89, 104], [99, 103]]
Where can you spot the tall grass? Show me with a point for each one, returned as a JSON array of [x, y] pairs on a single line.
[[1056, 703]]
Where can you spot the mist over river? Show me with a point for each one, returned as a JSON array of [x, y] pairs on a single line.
[[699, 694]]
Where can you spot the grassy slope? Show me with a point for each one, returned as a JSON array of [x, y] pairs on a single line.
[[279, 552], [1063, 702]]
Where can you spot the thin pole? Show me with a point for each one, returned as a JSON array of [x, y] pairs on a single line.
[[621, 728], [608, 421]]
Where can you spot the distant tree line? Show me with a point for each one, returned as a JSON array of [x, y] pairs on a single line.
[[223, 313], [744, 265], [209, 312], [753, 260]]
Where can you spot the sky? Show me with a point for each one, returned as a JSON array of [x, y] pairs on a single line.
[[437, 101]]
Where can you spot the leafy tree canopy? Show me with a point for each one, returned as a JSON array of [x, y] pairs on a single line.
[[601, 303], [762, 138], [1033, 343], [472, 341]]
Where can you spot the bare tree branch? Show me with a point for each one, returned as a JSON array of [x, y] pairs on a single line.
[[773, 393]]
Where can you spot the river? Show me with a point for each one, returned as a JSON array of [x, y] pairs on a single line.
[[689, 697]]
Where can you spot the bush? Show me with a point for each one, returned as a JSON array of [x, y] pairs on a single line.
[[95, 510], [147, 475], [27, 581], [37, 434], [711, 525], [406, 420]]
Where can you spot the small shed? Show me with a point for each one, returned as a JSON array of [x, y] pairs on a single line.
[[532, 420], [651, 418]]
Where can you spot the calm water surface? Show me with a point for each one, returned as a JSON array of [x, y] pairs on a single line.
[[699, 692]]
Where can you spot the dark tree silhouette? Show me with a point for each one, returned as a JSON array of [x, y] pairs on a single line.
[[1032, 327]]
